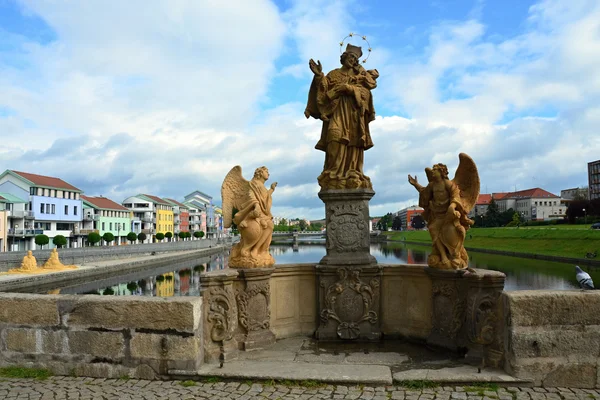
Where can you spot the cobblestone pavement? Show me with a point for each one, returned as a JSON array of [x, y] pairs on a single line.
[[132, 389]]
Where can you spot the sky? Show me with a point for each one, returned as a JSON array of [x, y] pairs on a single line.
[[165, 97]]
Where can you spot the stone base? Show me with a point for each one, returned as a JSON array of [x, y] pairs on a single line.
[[253, 297], [347, 221], [349, 302]]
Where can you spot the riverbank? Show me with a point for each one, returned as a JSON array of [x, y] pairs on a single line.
[[566, 245]]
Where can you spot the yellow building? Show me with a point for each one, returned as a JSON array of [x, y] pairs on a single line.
[[164, 218]]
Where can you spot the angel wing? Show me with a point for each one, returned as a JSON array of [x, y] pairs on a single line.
[[467, 180], [234, 193]]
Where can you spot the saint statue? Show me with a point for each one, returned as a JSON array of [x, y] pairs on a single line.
[[28, 265], [447, 204], [342, 100], [254, 220], [54, 263]]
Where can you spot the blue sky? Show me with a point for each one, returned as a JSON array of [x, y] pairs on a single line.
[[165, 97]]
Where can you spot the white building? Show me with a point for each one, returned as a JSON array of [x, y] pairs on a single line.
[[533, 204]]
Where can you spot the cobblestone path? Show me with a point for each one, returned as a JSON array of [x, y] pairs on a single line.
[[132, 389]]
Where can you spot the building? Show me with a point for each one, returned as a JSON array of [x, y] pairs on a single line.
[[407, 215], [574, 194], [594, 180], [43, 205], [197, 218], [3, 227], [203, 203], [533, 204], [13, 206], [181, 215], [154, 214], [103, 215], [219, 221]]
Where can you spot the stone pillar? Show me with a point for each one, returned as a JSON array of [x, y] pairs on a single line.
[[253, 297], [485, 318], [349, 302], [449, 303], [219, 315], [347, 222]]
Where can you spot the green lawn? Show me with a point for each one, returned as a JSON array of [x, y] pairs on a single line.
[[564, 240]]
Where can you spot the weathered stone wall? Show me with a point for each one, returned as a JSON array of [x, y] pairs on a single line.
[[82, 255], [553, 337], [106, 337], [293, 300], [406, 301]]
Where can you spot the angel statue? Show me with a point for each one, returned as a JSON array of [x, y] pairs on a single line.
[[342, 100], [253, 218], [447, 204]]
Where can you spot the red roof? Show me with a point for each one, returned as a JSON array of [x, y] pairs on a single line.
[[498, 196], [2, 198], [484, 199], [176, 202], [157, 199], [48, 181], [531, 193], [104, 203]]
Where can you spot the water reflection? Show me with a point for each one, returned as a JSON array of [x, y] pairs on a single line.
[[183, 278]]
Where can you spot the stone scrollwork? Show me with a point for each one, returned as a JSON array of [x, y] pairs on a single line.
[[222, 313], [348, 301], [483, 318], [253, 305], [449, 309], [347, 227]]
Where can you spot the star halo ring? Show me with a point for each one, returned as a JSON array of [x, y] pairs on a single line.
[[352, 34]]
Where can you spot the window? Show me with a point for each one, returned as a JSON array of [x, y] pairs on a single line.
[[75, 210], [63, 226], [32, 191], [103, 226], [42, 208], [47, 208], [53, 208], [110, 226], [66, 210]]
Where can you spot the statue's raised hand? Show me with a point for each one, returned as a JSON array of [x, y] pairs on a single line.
[[413, 181], [315, 67], [273, 186]]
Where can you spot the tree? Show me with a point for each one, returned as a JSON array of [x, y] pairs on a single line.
[[93, 238], [131, 236], [108, 237], [302, 225], [188, 235], [169, 235], [59, 241], [160, 236], [384, 222], [42, 240], [492, 215], [141, 236], [182, 235], [417, 221], [198, 234], [397, 223]]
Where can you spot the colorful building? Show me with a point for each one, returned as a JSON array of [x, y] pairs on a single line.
[[181, 216], [153, 214], [533, 204], [203, 202], [407, 217], [3, 228], [41, 205], [103, 215]]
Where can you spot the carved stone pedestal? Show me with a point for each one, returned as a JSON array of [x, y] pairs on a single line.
[[349, 302], [347, 221], [219, 315], [467, 316], [253, 297]]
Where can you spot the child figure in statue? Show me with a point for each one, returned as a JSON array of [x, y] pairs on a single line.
[[447, 204]]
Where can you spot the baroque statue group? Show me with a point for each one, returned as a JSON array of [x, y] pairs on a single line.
[[343, 101]]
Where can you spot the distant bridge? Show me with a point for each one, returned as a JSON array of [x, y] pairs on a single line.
[[299, 233]]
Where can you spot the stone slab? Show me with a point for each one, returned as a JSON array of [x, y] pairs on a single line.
[[377, 358], [267, 355], [455, 375], [367, 374]]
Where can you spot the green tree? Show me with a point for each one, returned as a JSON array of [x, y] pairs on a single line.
[[131, 236], [59, 241], [384, 222], [141, 236], [182, 235], [492, 215], [94, 238], [42, 240], [397, 223], [188, 235], [302, 225], [169, 235], [160, 236], [198, 234], [108, 237]]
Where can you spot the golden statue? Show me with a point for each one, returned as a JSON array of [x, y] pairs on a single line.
[[54, 263], [28, 265], [447, 204], [253, 218], [342, 100]]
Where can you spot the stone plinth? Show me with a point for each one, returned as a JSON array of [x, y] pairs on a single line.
[[466, 313], [349, 302], [347, 221], [253, 298], [219, 314]]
